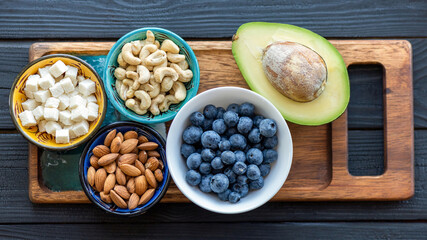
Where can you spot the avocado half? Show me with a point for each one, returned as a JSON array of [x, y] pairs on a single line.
[[248, 47]]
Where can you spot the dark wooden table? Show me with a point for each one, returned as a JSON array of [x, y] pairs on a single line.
[[25, 22]]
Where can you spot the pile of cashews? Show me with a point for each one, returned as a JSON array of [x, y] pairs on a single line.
[[151, 76]]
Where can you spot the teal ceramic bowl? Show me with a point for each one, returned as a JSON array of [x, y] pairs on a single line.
[[111, 64]]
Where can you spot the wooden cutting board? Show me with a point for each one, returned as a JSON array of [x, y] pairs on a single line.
[[319, 170]]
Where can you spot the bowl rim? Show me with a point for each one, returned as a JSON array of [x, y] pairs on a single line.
[[85, 151], [109, 89], [11, 94], [275, 190]]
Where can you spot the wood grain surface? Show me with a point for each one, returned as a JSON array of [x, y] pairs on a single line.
[[329, 160]]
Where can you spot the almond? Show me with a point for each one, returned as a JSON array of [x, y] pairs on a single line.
[[130, 186], [128, 158], [133, 201], [122, 191], [140, 185], [146, 196], [142, 139], [117, 199], [115, 144], [120, 135], [148, 146], [161, 166], [130, 135], [120, 177], [109, 138], [107, 159], [158, 175], [91, 175], [111, 168], [105, 197], [152, 164], [142, 156], [94, 161], [153, 153], [140, 166], [150, 178], [130, 170], [100, 177], [128, 145], [100, 150], [110, 182]]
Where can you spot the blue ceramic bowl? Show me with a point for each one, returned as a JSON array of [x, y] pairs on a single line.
[[98, 139], [111, 64]]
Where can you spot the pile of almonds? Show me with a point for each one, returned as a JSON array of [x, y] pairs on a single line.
[[126, 169]]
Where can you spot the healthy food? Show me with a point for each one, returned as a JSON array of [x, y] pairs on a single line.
[[229, 151], [151, 75], [300, 72], [126, 169], [59, 102]]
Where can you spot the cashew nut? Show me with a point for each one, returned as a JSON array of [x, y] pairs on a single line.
[[136, 47], [184, 75], [128, 56], [169, 99], [146, 87], [156, 87], [154, 109], [163, 72], [121, 62], [131, 68], [175, 58], [143, 74], [147, 50], [166, 84], [169, 46], [133, 105], [121, 90], [150, 37], [132, 75], [164, 64], [131, 88], [120, 73], [179, 91], [156, 58], [144, 98], [183, 65]]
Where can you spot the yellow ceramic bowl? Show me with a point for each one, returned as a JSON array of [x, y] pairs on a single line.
[[17, 97]]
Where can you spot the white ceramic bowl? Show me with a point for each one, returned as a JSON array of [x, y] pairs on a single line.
[[222, 97]]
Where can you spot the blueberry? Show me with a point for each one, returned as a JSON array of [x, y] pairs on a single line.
[[205, 183], [197, 118], [238, 142], [255, 136], [270, 155], [207, 154], [242, 179], [230, 132], [239, 168], [254, 156], [210, 139], [224, 145], [245, 125], [217, 163], [207, 124], [220, 113], [240, 156], [193, 178], [210, 111], [219, 183], [228, 157], [192, 134], [259, 146], [253, 172], [233, 197], [257, 184], [241, 189], [257, 120], [224, 195], [234, 107], [219, 126], [187, 150], [246, 109], [270, 142], [194, 160], [268, 127], [205, 168], [231, 118], [230, 174], [264, 169]]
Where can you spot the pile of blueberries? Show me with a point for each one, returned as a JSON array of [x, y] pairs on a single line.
[[229, 152]]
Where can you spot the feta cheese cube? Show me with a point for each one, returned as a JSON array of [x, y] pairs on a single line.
[[29, 105], [32, 83], [46, 82], [78, 114], [92, 106], [58, 68], [56, 90], [76, 101], [62, 136], [52, 126], [92, 111], [80, 78], [87, 87], [43, 72], [74, 93], [38, 113], [27, 119], [91, 98], [41, 96], [51, 114], [72, 74], [71, 132], [65, 117], [52, 102], [28, 93], [42, 126], [67, 85], [81, 128], [64, 102]]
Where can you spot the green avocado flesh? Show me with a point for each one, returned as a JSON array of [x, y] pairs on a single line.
[[248, 45]]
